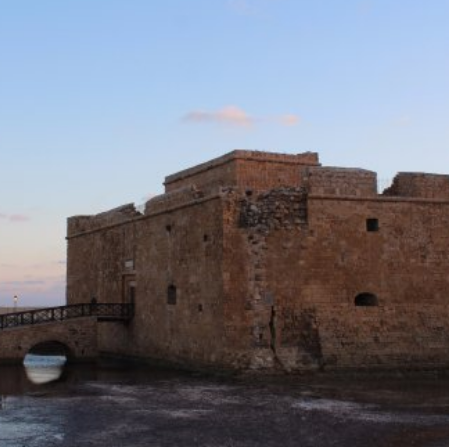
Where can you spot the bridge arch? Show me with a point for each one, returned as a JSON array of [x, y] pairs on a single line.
[[77, 337], [52, 348]]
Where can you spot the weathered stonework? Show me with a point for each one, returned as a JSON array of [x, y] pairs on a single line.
[[79, 337], [260, 260]]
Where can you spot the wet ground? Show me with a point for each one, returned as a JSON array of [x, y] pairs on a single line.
[[145, 407]]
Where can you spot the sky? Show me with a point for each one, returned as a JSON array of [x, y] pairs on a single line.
[[101, 99]]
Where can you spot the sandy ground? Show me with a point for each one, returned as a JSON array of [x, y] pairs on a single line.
[[160, 408]]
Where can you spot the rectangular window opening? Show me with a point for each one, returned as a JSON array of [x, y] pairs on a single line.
[[372, 224]]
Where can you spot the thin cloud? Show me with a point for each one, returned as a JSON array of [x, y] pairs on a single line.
[[15, 217], [31, 282], [289, 120], [43, 291], [39, 283], [227, 115], [235, 116], [18, 218]]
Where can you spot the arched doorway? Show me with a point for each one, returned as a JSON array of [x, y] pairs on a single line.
[[366, 299]]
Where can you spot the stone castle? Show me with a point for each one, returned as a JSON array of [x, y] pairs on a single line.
[[267, 260]]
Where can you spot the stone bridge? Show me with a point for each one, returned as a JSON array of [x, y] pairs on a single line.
[[77, 337], [71, 330]]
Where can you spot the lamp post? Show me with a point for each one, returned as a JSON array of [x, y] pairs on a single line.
[[15, 299]]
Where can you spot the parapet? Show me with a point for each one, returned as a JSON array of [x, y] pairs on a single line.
[[172, 199], [257, 171], [341, 181], [246, 169], [81, 224], [419, 185]]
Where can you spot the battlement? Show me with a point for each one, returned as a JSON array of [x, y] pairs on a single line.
[[419, 185], [249, 169], [172, 199], [264, 171], [121, 214], [341, 181]]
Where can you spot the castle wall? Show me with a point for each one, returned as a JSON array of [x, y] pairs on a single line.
[[179, 248], [341, 181], [255, 260], [207, 176], [294, 282], [245, 169], [404, 263], [97, 263], [252, 305], [419, 185], [83, 224]]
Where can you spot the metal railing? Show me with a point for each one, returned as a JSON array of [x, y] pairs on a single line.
[[103, 312]]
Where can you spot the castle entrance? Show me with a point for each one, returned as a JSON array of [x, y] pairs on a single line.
[[129, 289]]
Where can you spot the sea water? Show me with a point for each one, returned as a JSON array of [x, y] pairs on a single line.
[[42, 369], [131, 406]]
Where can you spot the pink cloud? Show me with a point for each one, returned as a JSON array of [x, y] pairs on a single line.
[[15, 217], [228, 115], [289, 120], [18, 218], [234, 115]]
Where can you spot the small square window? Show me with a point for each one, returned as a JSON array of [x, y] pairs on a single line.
[[372, 225]]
